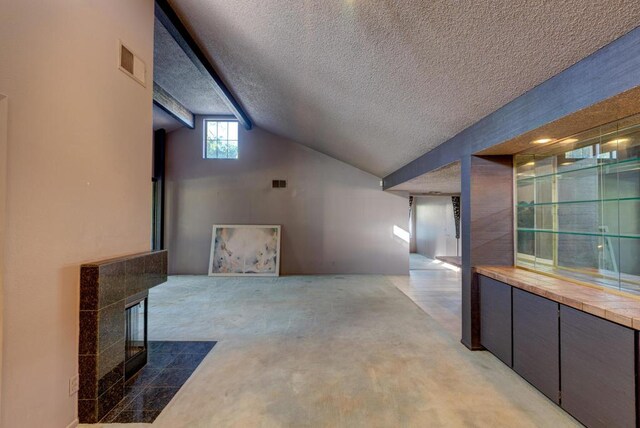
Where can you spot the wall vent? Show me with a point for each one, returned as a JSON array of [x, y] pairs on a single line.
[[131, 65], [278, 184]]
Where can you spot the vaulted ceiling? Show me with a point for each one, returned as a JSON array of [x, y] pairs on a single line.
[[177, 75], [379, 83]]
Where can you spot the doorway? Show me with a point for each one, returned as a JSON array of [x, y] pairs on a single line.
[[435, 232]]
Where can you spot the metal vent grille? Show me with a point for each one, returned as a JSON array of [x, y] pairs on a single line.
[[131, 65], [126, 59]]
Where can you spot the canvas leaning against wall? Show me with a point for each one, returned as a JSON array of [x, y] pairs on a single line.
[[245, 250]]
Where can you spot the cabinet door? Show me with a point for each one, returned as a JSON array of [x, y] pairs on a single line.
[[598, 370], [495, 318], [536, 349]]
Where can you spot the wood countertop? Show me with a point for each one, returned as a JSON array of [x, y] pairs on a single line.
[[619, 307]]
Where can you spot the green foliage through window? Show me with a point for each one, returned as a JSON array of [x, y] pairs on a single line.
[[221, 139]]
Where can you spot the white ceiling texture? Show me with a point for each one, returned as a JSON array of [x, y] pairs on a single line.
[[176, 74], [445, 180], [377, 83]]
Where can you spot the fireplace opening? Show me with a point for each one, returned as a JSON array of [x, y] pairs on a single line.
[[135, 334]]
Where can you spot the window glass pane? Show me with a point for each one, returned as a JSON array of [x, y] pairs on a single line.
[[544, 189], [581, 253], [222, 130], [629, 266], [544, 249], [221, 139], [578, 185], [209, 147], [578, 206], [222, 148], [544, 165], [233, 131], [233, 150]]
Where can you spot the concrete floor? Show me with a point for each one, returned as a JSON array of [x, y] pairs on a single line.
[[420, 262], [436, 292], [336, 351]]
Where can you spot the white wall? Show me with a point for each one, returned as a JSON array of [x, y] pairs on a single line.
[[78, 182], [435, 226], [335, 218], [412, 227]]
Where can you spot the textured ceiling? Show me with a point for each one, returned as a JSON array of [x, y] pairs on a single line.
[[177, 75], [379, 83], [161, 119], [442, 180]]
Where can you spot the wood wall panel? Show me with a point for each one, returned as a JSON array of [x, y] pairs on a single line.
[[487, 229]]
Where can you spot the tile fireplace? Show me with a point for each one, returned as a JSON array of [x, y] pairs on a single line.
[[113, 313]]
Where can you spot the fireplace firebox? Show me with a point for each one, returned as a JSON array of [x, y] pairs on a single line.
[[135, 344]]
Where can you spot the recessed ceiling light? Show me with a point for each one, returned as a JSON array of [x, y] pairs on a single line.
[[618, 141], [542, 141]]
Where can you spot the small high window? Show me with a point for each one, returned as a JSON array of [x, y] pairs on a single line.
[[221, 139]]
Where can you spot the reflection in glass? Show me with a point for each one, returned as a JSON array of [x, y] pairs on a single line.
[[578, 206]]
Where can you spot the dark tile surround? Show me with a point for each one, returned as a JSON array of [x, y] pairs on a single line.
[[104, 288], [152, 388]]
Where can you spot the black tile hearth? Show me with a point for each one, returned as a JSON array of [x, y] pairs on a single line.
[[186, 361], [171, 377], [160, 360], [142, 379], [169, 366], [151, 398]]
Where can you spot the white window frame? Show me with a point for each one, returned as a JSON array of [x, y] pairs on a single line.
[[205, 126]]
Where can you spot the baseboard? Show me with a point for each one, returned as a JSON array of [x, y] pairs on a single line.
[[73, 424]]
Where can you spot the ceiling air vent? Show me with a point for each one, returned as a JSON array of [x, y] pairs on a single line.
[[131, 65], [278, 184]]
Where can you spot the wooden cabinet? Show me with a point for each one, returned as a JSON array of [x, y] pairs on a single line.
[[597, 363], [495, 318], [586, 364], [536, 348]]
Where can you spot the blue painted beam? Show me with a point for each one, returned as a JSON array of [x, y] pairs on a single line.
[[170, 20], [602, 75], [166, 102]]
